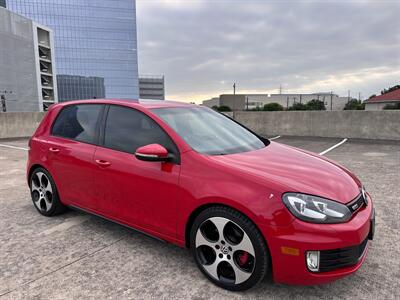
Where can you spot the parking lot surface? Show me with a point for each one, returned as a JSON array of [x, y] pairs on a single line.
[[76, 255]]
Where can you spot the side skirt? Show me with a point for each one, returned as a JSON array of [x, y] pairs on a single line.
[[116, 222]]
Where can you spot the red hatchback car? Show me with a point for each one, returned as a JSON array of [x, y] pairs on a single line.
[[244, 205]]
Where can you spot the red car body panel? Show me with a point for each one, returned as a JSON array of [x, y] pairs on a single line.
[[159, 198], [136, 192], [296, 170]]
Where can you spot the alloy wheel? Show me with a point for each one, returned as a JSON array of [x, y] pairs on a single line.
[[42, 191], [224, 250]]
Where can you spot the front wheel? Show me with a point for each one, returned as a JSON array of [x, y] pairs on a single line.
[[229, 249]]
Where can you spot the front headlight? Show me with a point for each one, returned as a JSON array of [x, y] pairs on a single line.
[[316, 209]]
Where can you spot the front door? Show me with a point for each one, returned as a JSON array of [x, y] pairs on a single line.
[[138, 193]]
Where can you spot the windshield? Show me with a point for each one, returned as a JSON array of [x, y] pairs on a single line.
[[209, 132]]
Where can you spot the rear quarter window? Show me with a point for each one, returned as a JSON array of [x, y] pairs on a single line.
[[78, 122]]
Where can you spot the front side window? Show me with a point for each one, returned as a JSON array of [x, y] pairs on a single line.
[[128, 129], [78, 122], [209, 132]]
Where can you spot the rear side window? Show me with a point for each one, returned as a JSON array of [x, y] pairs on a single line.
[[128, 129], [78, 122]]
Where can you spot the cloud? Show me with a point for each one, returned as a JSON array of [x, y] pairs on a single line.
[[202, 47]]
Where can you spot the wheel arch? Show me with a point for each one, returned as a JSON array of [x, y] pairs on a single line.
[[33, 168]]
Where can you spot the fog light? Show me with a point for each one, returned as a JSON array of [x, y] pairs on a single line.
[[312, 258]]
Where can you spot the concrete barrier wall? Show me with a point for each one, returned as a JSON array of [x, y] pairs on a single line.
[[19, 124], [350, 124], [344, 124]]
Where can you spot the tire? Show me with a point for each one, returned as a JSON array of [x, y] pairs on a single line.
[[44, 193], [222, 256]]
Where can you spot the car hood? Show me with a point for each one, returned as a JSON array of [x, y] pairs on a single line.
[[296, 170]]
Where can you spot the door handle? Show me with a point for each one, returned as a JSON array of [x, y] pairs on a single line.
[[103, 163], [54, 150]]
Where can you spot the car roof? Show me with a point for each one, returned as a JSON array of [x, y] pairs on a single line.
[[132, 103]]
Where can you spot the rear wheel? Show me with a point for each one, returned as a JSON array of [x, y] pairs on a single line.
[[229, 249], [44, 193]]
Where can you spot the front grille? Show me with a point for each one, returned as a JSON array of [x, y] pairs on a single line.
[[357, 203], [342, 257]]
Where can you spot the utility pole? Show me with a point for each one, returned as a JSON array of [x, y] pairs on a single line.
[[280, 89], [247, 102], [348, 96], [359, 96], [234, 98], [287, 102], [331, 100]]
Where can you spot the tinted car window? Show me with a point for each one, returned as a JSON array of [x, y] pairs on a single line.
[[128, 129], [78, 122]]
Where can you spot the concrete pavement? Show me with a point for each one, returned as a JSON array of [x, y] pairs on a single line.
[[75, 255]]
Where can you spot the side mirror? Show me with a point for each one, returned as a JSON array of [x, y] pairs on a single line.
[[152, 152]]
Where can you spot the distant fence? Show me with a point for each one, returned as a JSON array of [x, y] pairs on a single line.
[[351, 124], [19, 124], [345, 124]]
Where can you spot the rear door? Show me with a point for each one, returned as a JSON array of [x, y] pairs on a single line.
[[71, 146], [138, 193]]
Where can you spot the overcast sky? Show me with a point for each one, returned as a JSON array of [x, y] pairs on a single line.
[[202, 47]]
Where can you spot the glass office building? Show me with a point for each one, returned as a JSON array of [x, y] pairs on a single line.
[[95, 45]]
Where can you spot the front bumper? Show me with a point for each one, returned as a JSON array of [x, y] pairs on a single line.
[[288, 246]]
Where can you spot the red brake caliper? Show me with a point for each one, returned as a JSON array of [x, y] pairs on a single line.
[[243, 258]]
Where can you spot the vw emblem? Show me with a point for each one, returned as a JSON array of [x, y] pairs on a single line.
[[224, 250]]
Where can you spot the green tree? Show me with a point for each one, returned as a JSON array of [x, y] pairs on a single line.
[[354, 104], [224, 108], [273, 107], [215, 107], [298, 106], [315, 105], [392, 106]]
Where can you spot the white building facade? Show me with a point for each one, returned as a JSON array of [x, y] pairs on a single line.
[[27, 77], [331, 101], [152, 87], [95, 44]]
